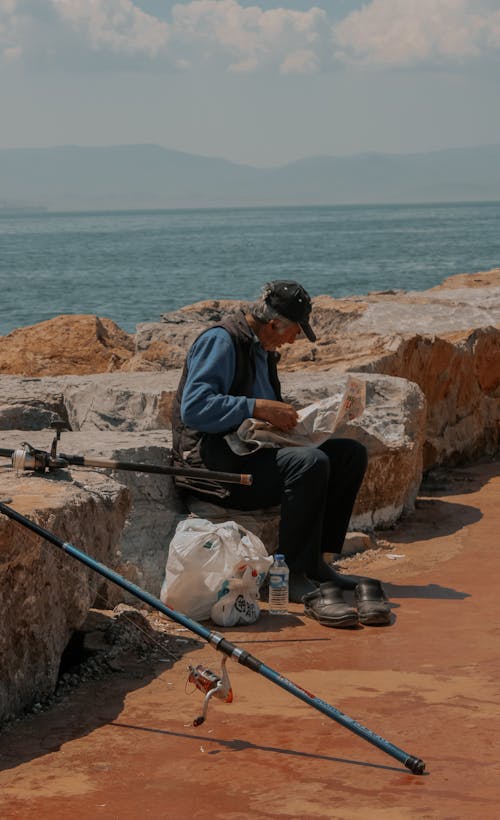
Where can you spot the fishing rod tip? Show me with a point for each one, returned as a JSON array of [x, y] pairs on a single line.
[[415, 765]]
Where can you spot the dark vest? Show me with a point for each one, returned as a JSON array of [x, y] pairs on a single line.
[[187, 441]]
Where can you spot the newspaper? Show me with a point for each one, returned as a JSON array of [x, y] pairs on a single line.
[[316, 423]]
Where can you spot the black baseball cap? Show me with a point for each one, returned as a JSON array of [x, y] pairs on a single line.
[[290, 300]]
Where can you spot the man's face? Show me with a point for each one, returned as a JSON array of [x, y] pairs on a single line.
[[273, 334]]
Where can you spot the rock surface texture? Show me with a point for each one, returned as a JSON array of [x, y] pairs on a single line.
[[46, 594], [105, 401], [66, 344], [154, 506]]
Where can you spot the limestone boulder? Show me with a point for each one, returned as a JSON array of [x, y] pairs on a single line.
[[356, 331], [163, 345], [121, 401], [30, 403], [477, 279], [45, 593], [459, 374], [154, 505], [393, 430], [66, 344], [107, 401]]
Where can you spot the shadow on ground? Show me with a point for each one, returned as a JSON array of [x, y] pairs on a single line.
[[433, 517], [36, 735], [459, 480], [435, 591], [239, 745]]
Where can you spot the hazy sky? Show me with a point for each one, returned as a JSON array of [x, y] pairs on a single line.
[[258, 83]]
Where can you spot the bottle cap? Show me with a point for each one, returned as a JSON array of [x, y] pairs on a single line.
[[279, 555]]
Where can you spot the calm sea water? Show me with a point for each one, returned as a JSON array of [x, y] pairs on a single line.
[[133, 266]]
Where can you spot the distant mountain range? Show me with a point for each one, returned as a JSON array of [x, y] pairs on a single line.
[[148, 176]]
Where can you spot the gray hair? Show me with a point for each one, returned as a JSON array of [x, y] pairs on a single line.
[[262, 312]]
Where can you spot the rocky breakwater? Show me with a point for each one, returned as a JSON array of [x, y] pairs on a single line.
[[46, 594], [446, 340], [431, 362]]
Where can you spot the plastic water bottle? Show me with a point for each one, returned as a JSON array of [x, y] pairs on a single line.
[[278, 586]]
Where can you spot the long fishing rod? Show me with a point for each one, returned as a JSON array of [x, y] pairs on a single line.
[[39, 461], [220, 687]]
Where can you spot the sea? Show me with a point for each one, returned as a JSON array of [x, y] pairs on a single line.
[[133, 266]]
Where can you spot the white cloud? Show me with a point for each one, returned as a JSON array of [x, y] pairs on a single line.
[[84, 34], [240, 38], [73, 33], [249, 36], [303, 61], [114, 25], [391, 32]]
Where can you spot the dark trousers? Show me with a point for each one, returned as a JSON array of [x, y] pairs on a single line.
[[316, 487]]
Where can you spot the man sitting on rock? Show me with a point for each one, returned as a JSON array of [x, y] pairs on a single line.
[[230, 375]]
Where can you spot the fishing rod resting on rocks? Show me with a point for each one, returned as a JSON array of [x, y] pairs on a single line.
[[204, 679], [41, 461]]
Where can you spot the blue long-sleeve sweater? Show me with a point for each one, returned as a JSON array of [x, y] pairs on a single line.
[[206, 405]]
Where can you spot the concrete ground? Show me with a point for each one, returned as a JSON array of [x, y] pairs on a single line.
[[125, 747]]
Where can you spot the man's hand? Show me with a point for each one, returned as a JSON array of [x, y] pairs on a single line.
[[281, 415]]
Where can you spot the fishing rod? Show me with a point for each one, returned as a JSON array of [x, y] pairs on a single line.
[[204, 679], [40, 461]]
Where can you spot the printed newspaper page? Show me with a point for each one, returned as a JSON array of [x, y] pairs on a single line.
[[317, 422]]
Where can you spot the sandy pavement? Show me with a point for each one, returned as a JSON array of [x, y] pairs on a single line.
[[125, 747]]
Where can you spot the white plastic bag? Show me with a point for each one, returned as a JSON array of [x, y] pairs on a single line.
[[237, 601], [202, 557]]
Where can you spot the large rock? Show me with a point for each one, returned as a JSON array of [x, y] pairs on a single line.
[[45, 593], [66, 344], [163, 345], [477, 279], [30, 403], [459, 375], [446, 340], [108, 401], [392, 428], [121, 401], [155, 507]]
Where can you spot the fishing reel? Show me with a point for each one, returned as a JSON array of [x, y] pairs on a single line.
[[40, 461], [218, 686]]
